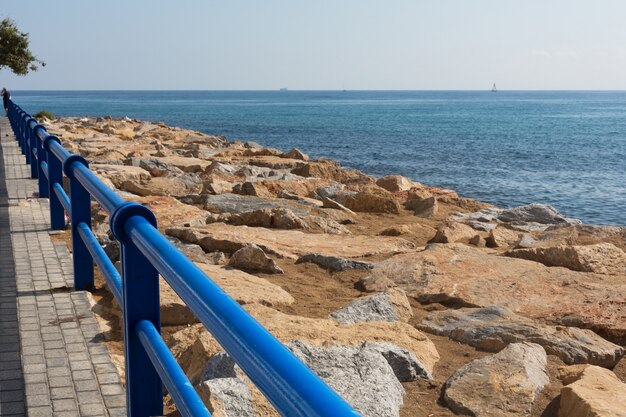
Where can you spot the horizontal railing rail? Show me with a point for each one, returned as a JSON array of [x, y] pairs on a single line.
[[287, 383]]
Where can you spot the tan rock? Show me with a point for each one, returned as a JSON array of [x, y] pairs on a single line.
[[252, 258], [296, 153], [118, 174], [602, 258], [502, 237], [373, 200], [451, 232], [427, 207], [186, 164], [174, 186], [277, 218], [395, 183], [460, 273], [597, 392], [501, 385], [288, 243]]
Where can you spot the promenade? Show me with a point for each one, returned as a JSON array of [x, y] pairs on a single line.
[[53, 360]]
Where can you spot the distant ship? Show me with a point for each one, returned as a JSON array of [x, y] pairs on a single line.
[[284, 89], [494, 89]]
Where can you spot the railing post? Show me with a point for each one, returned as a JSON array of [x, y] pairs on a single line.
[[22, 132], [27, 141], [55, 175], [32, 137], [41, 156], [144, 389], [80, 202]]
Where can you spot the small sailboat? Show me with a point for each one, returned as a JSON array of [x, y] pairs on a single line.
[[494, 89]]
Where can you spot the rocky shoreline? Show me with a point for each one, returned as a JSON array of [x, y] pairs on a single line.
[[408, 300]]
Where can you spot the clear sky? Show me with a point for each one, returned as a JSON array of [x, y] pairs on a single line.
[[322, 44]]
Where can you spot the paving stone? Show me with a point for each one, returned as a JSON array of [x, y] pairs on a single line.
[[56, 329]]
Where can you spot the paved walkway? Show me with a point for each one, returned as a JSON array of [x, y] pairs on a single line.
[[53, 360]]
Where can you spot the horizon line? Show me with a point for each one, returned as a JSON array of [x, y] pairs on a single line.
[[282, 90]]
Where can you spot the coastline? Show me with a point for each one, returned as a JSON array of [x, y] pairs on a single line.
[[509, 149], [325, 237]]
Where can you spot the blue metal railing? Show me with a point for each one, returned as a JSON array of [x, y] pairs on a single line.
[[288, 384]]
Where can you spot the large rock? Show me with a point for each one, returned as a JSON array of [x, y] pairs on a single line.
[[502, 237], [535, 213], [334, 263], [426, 207], [602, 258], [236, 204], [287, 243], [295, 153], [194, 345], [451, 232], [504, 384], [224, 390], [404, 363], [388, 306], [395, 183], [252, 258], [118, 174], [180, 185], [277, 218], [372, 200], [360, 375], [460, 274], [186, 164], [595, 392], [493, 328], [242, 287]]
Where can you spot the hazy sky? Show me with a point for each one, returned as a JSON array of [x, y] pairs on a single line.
[[323, 44]]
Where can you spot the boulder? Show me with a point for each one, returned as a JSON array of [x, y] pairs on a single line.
[[252, 258], [466, 276], [427, 207], [334, 263], [451, 232], [236, 204], [186, 163], [502, 237], [602, 258], [118, 174], [327, 191], [493, 328], [287, 243], [535, 213], [404, 363], [360, 375], [389, 306], [594, 392], [246, 288], [155, 166], [504, 384], [295, 153], [277, 218], [326, 225], [224, 391], [395, 183], [372, 200], [180, 185]]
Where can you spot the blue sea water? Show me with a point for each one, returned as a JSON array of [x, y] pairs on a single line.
[[567, 149]]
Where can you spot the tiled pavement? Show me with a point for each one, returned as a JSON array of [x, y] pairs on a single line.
[[59, 365]]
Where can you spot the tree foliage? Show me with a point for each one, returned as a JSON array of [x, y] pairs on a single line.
[[14, 52]]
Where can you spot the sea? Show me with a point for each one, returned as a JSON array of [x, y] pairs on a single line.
[[563, 148]]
